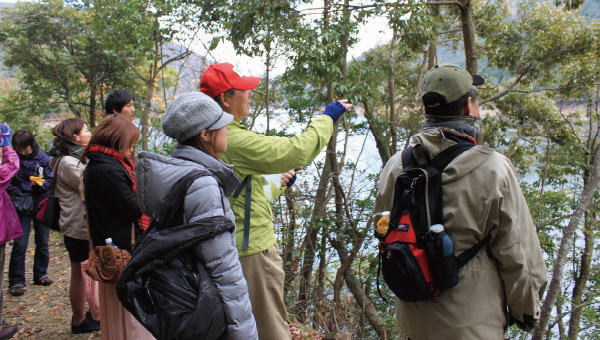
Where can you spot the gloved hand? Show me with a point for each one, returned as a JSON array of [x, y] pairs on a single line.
[[288, 178], [37, 180], [291, 181], [6, 134], [335, 110], [528, 323]]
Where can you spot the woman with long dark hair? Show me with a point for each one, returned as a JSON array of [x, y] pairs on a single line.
[[113, 212], [72, 136]]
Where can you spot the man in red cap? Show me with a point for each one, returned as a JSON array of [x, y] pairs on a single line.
[[254, 155]]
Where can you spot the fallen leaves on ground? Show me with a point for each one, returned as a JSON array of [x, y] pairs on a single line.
[[44, 312], [300, 332]]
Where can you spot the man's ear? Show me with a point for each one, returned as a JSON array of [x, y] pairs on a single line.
[[224, 101], [467, 107], [472, 108]]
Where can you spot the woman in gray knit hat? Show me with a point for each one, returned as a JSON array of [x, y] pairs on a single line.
[[198, 123]]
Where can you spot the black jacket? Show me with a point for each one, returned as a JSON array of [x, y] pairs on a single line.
[[111, 203]]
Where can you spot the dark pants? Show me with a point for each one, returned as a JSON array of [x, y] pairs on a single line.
[[16, 268]]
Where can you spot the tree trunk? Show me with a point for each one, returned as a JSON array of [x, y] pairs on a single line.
[[150, 82], [432, 49], [392, 93], [267, 83], [584, 274], [581, 281], [145, 120], [565, 245], [310, 241], [380, 141], [322, 270], [290, 265], [561, 324], [92, 117], [468, 28]]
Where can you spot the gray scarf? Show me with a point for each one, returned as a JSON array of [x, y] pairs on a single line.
[[462, 125]]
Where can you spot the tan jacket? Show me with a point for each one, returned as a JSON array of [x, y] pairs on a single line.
[[72, 220], [481, 196]]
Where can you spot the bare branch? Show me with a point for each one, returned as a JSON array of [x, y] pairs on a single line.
[[545, 224]]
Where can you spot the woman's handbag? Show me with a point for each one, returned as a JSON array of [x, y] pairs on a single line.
[[49, 208], [106, 263], [49, 212], [23, 204]]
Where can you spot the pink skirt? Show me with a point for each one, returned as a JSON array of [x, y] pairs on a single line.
[[116, 323]]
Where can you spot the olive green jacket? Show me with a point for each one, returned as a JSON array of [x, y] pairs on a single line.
[[253, 154], [481, 196]]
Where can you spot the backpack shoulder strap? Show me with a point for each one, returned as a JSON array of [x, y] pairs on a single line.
[[441, 161], [247, 183], [55, 179], [470, 253], [409, 159], [172, 204]]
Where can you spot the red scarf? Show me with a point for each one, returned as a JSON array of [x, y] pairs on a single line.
[[129, 166]]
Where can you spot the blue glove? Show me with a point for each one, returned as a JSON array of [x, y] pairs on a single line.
[[334, 110], [6, 134], [291, 182]]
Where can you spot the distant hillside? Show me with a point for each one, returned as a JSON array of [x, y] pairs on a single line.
[[190, 69]]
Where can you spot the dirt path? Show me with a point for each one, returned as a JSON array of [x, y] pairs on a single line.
[[43, 312]]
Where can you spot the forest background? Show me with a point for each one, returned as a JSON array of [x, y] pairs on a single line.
[[540, 60]]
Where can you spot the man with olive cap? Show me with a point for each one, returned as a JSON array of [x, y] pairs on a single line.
[[502, 284], [253, 155]]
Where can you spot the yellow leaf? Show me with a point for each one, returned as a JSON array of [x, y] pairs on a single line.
[[43, 297]]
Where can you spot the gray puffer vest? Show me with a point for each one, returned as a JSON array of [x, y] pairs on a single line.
[[206, 197]]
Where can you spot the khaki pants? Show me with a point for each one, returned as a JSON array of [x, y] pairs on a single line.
[[265, 277]]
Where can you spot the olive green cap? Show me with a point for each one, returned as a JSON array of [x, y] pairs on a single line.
[[449, 81]]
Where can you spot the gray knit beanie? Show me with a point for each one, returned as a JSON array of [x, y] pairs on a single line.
[[191, 113]]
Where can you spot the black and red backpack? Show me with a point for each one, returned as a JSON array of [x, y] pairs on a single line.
[[411, 256]]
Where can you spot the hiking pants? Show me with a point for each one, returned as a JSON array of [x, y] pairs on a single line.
[[264, 273]]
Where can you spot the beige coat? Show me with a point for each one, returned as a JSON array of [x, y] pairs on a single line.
[[481, 196], [72, 219]]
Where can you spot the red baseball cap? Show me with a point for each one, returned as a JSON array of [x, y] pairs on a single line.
[[221, 77]]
